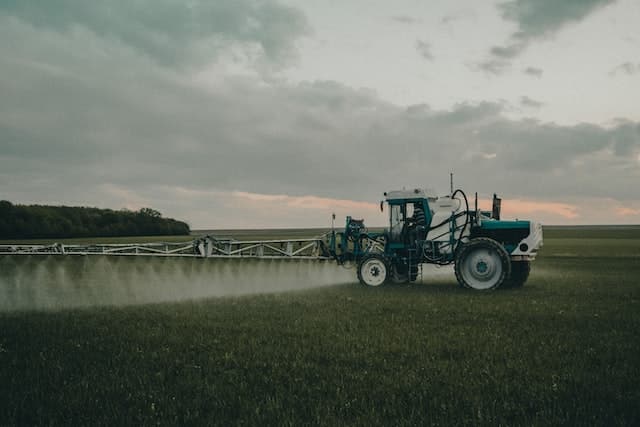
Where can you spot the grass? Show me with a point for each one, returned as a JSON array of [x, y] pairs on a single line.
[[562, 350]]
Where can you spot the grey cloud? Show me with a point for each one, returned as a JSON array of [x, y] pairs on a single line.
[[79, 118], [467, 114], [424, 49], [174, 32], [625, 138], [525, 101], [537, 18], [459, 15], [448, 19], [540, 18], [493, 66], [507, 52], [533, 71], [404, 19], [627, 68], [500, 56]]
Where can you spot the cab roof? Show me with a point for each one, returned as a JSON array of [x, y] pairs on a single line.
[[416, 193]]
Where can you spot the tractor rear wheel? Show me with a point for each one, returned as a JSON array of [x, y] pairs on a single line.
[[482, 264], [373, 270], [519, 274]]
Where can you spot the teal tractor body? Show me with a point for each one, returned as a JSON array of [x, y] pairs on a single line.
[[487, 252]]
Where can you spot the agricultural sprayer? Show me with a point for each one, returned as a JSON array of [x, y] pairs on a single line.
[[424, 229]]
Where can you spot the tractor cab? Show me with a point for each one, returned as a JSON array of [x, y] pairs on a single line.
[[409, 216]]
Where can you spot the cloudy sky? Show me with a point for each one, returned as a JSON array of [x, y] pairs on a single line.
[[276, 113]]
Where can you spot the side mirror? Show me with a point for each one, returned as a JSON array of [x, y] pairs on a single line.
[[382, 206], [496, 207]]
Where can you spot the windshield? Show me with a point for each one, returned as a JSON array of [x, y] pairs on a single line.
[[397, 223]]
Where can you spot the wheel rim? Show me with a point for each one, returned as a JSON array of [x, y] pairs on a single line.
[[482, 269], [373, 272]]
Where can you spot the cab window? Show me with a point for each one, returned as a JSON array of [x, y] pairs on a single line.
[[397, 222]]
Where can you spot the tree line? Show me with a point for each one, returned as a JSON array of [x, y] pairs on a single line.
[[39, 221]]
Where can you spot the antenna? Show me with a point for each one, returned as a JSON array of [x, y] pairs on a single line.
[[451, 181]]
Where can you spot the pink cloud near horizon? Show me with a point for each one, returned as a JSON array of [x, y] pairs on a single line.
[[518, 208], [307, 202], [242, 209], [625, 211]]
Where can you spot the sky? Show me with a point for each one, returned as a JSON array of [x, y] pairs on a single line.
[[278, 113]]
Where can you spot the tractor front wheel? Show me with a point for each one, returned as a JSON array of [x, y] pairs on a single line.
[[482, 264], [373, 270]]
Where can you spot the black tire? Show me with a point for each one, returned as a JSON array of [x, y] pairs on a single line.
[[404, 274], [414, 273], [482, 264], [397, 276], [373, 271], [519, 274]]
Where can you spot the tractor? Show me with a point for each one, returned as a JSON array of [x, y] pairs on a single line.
[[487, 252]]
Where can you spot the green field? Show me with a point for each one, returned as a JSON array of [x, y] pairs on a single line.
[[565, 349]]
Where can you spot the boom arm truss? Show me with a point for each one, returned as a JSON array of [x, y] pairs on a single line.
[[202, 247]]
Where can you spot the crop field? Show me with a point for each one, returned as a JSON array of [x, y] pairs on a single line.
[[176, 342]]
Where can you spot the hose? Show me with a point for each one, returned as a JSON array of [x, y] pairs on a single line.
[[466, 220], [464, 228]]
